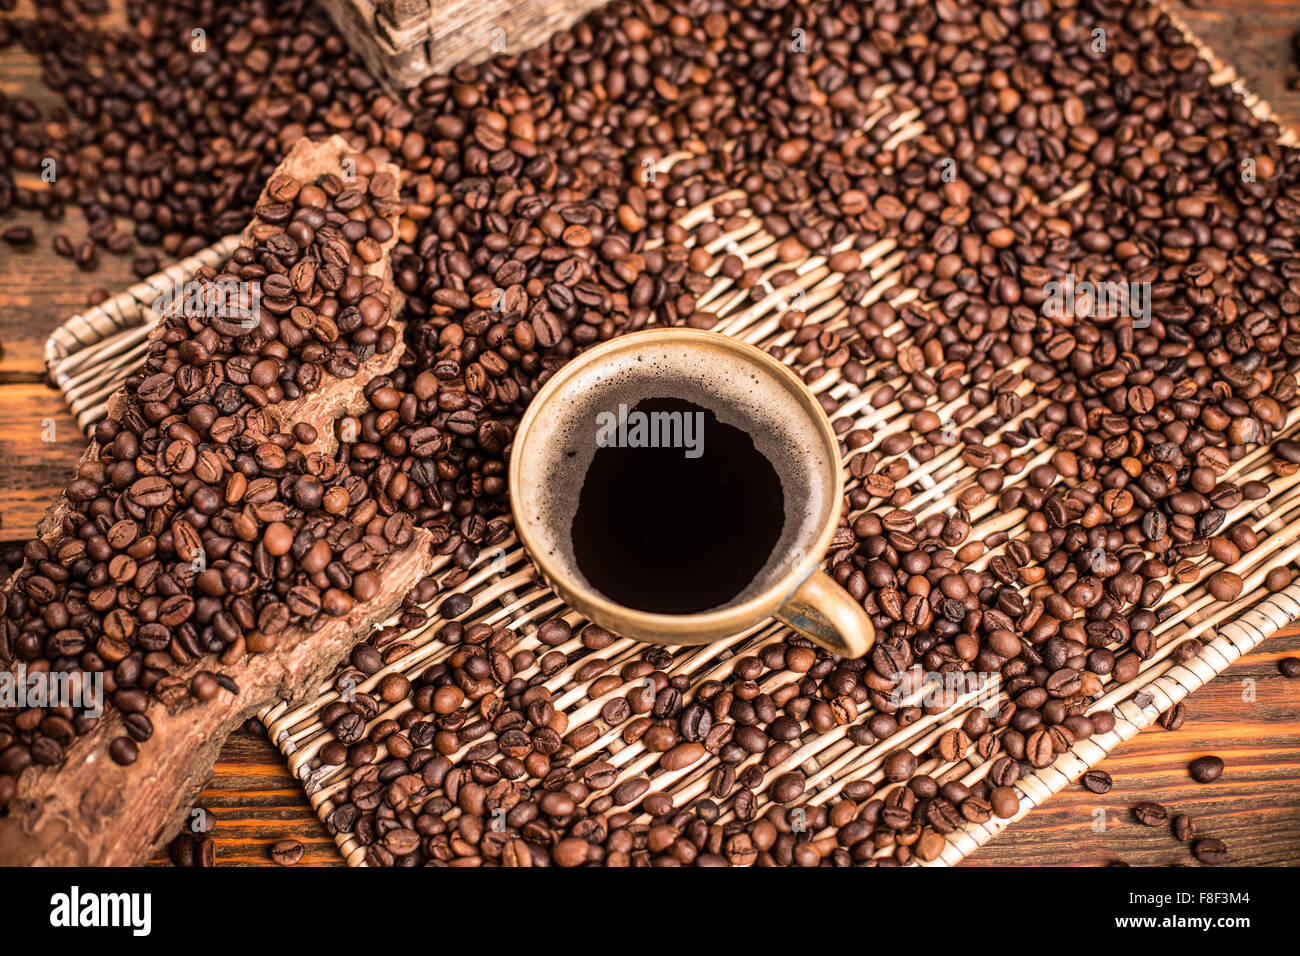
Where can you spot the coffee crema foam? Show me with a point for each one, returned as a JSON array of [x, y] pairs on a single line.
[[739, 393]]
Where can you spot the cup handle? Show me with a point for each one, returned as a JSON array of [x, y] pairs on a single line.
[[824, 612]]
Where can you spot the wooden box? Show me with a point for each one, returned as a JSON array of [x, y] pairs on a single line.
[[403, 41]]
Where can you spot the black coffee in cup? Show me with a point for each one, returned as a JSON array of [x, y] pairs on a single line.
[[678, 511], [679, 483]]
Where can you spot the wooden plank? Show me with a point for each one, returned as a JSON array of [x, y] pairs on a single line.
[[253, 802], [1254, 807]]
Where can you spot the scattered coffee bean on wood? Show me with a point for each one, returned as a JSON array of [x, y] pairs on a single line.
[[1205, 769], [205, 853], [162, 489], [287, 852], [1211, 851], [182, 849], [17, 236], [1150, 814]]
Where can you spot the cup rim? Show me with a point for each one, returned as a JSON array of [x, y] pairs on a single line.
[[725, 620]]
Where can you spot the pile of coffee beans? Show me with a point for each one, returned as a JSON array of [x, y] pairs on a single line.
[[206, 525], [174, 122], [1144, 422], [1074, 139]]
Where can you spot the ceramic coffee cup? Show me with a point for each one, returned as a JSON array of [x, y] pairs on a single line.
[[557, 439]]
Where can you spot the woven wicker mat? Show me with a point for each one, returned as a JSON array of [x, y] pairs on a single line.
[[91, 354]]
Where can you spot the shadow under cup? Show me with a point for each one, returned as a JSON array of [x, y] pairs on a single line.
[[561, 432]]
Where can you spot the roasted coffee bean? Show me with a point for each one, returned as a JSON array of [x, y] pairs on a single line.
[[1205, 769], [123, 750], [1211, 851], [46, 752], [1005, 802], [348, 728], [17, 236], [681, 756], [976, 810], [1278, 579], [1224, 585], [900, 765], [787, 788], [455, 606], [138, 726], [183, 849], [1098, 781], [695, 722], [205, 852], [286, 852], [1174, 717], [1150, 814], [1004, 772], [1184, 828]]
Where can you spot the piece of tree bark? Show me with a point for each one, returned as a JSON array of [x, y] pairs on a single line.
[[89, 810]]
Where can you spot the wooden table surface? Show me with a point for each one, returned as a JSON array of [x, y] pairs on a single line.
[[1248, 715]]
